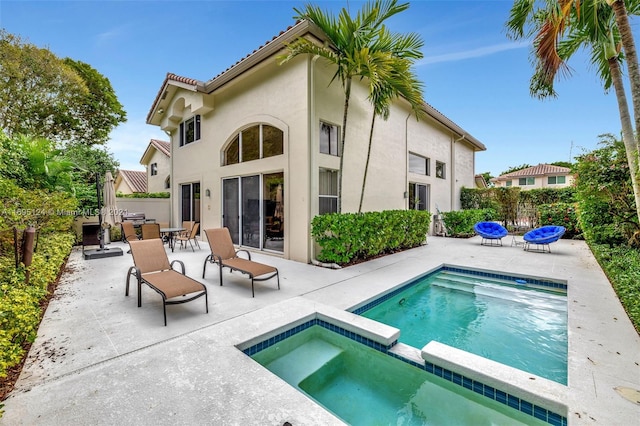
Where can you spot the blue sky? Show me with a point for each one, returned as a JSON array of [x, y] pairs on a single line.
[[472, 73]]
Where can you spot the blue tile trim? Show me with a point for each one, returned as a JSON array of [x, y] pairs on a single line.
[[451, 376], [538, 282]]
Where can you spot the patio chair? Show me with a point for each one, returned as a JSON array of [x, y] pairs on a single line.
[[542, 237], [492, 233], [152, 268], [189, 238], [150, 231], [224, 254], [128, 232]]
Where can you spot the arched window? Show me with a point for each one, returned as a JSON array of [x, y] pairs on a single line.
[[253, 143]]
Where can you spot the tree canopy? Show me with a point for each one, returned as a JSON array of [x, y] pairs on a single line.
[[63, 100]]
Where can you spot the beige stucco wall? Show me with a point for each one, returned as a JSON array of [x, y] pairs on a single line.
[[122, 186], [295, 98], [157, 183]]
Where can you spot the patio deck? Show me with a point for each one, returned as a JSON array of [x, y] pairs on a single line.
[[99, 359]]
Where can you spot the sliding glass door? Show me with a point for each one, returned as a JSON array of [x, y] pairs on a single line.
[[253, 210]]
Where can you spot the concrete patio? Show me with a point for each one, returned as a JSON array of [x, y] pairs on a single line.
[[101, 360]]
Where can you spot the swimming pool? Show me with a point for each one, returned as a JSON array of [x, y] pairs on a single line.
[[365, 386], [521, 324]]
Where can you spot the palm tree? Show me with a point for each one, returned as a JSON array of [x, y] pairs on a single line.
[[351, 43], [560, 30], [394, 79]]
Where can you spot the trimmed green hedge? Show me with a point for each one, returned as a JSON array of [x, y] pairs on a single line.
[[347, 237], [459, 223]]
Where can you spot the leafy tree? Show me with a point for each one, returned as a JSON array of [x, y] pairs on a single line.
[[604, 193], [562, 164], [349, 38], [65, 101], [602, 26]]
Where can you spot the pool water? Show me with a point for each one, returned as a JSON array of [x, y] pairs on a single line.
[[364, 386], [518, 325]]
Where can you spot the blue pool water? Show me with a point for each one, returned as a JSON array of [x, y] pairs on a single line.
[[503, 320], [364, 386]]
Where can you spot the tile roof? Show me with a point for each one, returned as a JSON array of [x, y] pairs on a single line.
[[162, 146], [136, 180], [539, 170]]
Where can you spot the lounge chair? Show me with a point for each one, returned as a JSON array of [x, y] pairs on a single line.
[[225, 255], [492, 233], [542, 237], [152, 267], [188, 238]]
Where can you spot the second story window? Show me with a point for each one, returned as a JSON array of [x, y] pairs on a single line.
[[190, 130], [419, 164], [526, 181], [154, 169], [253, 143], [329, 139], [441, 170]]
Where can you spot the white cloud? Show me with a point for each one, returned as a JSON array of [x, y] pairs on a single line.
[[129, 140], [473, 53]]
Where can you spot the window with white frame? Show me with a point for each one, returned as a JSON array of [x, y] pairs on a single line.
[[328, 191], [154, 169], [418, 196], [441, 171], [253, 143], [419, 164], [190, 130], [525, 181], [556, 180], [329, 139], [509, 183]]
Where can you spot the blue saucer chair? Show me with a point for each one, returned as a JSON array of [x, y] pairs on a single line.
[[542, 237], [492, 233]]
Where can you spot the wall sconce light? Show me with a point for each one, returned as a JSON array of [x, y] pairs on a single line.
[[161, 111], [406, 194], [207, 192]]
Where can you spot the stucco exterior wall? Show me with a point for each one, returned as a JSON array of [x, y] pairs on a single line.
[[157, 183], [540, 182]]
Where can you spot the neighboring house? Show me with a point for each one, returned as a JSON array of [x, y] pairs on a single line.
[[480, 182], [157, 160], [255, 149], [130, 181], [540, 176]]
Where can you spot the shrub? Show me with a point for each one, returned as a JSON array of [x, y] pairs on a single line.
[[562, 214], [459, 223], [348, 237]]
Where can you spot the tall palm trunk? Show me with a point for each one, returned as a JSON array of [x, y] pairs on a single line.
[[366, 164], [347, 95], [627, 129]]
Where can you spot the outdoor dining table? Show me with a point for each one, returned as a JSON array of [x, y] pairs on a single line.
[[170, 232]]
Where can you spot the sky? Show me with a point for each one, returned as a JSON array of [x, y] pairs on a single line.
[[471, 71]]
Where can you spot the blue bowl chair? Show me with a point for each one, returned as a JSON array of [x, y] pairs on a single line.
[[492, 233], [542, 237]]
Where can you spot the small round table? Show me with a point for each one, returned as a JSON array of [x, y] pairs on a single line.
[[171, 233]]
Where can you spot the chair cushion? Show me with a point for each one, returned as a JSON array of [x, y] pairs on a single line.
[[490, 230], [544, 235]]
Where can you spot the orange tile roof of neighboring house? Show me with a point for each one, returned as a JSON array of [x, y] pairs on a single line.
[[136, 180], [539, 170]]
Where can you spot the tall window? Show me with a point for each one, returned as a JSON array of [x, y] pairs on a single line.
[[190, 130], [154, 169], [441, 171], [418, 196], [328, 191], [527, 181], [556, 180], [328, 139], [419, 164], [253, 143]]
